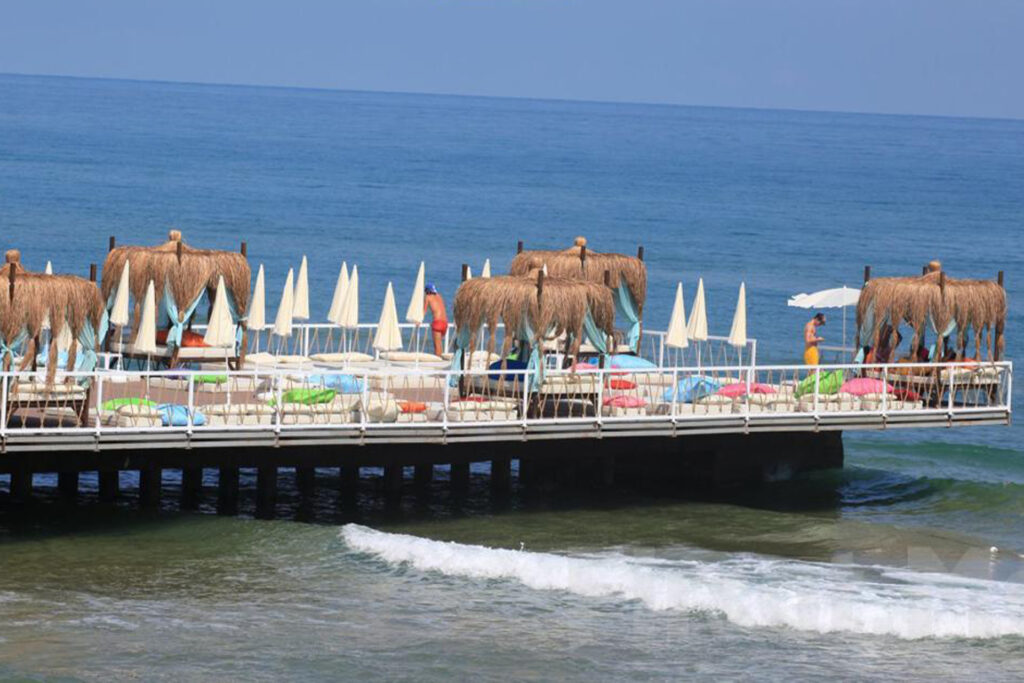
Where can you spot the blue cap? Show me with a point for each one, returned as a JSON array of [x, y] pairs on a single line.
[[430, 288]]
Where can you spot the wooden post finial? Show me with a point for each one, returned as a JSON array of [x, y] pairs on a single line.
[[465, 271], [245, 249], [519, 247], [999, 279], [640, 252], [924, 269], [112, 243], [867, 273], [92, 273]]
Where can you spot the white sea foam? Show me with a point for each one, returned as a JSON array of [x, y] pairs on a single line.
[[747, 590]]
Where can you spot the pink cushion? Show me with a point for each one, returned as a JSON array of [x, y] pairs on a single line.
[[583, 367], [624, 401], [740, 389], [865, 385]]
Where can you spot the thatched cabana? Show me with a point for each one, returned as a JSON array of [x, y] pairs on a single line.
[[532, 309], [68, 301], [934, 303], [181, 275], [625, 275]]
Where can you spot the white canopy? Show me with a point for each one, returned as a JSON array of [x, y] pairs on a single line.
[[839, 297], [349, 315], [676, 337], [283, 321], [145, 340], [220, 330], [300, 306], [338, 300], [486, 270], [258, 306], [697, 327], [414, 314], [738, 333], [119, 312], [388, 336]]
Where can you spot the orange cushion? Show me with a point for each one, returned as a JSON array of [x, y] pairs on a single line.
[[188, 339], [412, 406], [621, 384]]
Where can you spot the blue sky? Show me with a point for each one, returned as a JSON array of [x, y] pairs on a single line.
[[900, 56]]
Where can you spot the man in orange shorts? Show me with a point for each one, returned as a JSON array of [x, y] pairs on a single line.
[[811, 339], [434, 302]]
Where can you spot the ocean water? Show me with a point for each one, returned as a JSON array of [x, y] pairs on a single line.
[[907, 563]]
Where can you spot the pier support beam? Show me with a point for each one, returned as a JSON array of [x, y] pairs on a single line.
[[460, 478], [266, 491], [110, 484], [501, 475], [67, 484], [393, 479], [305, 481], [150, 480], [21, 486], [191, 487], [227, 490], [423, 475]]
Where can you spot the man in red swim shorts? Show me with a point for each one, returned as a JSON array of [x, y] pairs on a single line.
[[433, 302]]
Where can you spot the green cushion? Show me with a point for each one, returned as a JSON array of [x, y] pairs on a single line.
[[829, 384], [115, 403], [211, 379], [306, 396]]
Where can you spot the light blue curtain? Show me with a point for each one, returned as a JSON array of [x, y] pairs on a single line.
[[626, 308], [461, 344], [865, 332], [7, 349], [534, 367], [235, 318], [934, 348], [594, 334], [170, 310], [87, 343]]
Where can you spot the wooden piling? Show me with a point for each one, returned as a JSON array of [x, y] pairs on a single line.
[[501, 475], [227, 490], [349, 478], [423, 475], [67, 484], [305, 481], [392, 479], [191, 487], [109, 483], [266, 491], [21, 482], [460, 478], [150, 481]]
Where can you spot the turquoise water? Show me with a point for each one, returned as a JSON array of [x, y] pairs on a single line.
[[884, 569]]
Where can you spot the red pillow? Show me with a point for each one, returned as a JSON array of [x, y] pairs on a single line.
[[412, 406], [188, 339], [161, 337], [906, 395], [621, 384]]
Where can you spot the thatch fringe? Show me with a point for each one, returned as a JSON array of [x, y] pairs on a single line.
[[199, 269], [66, 299], [978, 304], [568, 264], [507, 299]]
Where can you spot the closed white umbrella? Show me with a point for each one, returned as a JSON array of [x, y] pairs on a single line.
[[283, 321], [258, 306], [414, 314], [469, 273], [738, 333], [46, 318], [388, 336], [145, 340], [349, 316], [119, 311], [220, 330], [677, 337], [49, 268], [338, 300], [486, 271], [300, 305], [697, 327]]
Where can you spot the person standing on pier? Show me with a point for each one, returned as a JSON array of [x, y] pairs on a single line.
[[811, 339], [434, 303]]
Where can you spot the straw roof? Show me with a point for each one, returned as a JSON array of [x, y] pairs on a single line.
[[12, 259], [66, 299], [568, 264], [507, 299], [978, 304], [199, 269]]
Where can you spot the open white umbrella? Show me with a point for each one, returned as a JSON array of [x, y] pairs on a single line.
[[414, 314], [334, 313], [300, 305], [220, 329], [119, 311], [486, 270], [258, 306], [738, 333], [283, 321], [349, 315], [388, 336], [677, 337], [145, 340], [837, 297], [697, 326]]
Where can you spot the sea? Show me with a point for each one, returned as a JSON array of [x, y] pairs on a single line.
[[907, 563]]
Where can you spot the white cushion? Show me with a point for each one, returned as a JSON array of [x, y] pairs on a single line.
[[411, 357], [346, 357]]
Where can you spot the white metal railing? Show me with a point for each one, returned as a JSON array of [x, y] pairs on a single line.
[[365, 398]]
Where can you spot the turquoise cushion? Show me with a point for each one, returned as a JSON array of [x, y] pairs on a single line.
[[343, 384], [174, 415], [692, 388], [626, 361]]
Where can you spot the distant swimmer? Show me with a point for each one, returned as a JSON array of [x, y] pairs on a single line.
[[811, 339], [434, 302]]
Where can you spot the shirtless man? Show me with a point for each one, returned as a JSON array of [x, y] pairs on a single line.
[[811, 339], [433, 302]]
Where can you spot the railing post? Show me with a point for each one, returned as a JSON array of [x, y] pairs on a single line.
[[191, 402], [817, 388], [278, 405], [446, 400], [885, 389], [952, 389], [524, 385], [599, 412], [365, 401], [675, 392], [749, 372], [99, 402], [3, 407]]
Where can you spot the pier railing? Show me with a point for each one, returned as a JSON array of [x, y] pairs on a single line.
[[353, 403]]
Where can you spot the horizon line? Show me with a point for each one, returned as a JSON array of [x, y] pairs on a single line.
[[313, 88]]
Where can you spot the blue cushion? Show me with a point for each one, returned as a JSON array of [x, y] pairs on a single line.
[[692, 388], [174, 415], [626, 361], [343, 384], [509, 365]]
